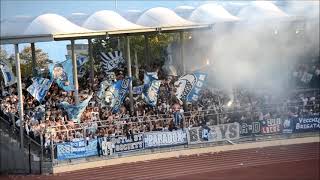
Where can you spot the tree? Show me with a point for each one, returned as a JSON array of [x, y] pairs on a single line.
[[42, 60], [3, 54]]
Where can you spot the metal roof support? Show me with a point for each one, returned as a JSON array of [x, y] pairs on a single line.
[[75, 73], [146, 49], [91, 63], [20, 105], [183, 69], [33, 55], [129, 72], [136, 64]]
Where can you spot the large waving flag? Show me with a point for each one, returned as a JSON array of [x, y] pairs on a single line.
[[148, 78], [116, 93], [81, 60], [150, 95], [8, 76], [111, 60], [189, 86], [62, 74], [39, 88], [75, 111], [151, 88]]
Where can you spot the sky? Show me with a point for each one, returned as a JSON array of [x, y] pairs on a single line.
[[57, 50]]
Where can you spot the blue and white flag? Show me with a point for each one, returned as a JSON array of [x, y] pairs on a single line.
[[150, 95], [39, 88], [81, 60], [75, 111], [148, 78], [62, 74], [8, 76], [116, 93], [137, 89], [111, 60], [189, 86]]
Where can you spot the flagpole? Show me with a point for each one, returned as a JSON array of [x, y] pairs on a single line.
[[91, 63], [20, 105], [33, 54], [181, 53], [129, 72], [146, 49], [75, 73]]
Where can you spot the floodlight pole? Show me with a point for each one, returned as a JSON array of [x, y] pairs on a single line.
[[129, 72], [181, 52], [75, 73], [20, 105], [33, 54], [146, 49], [91, 63]]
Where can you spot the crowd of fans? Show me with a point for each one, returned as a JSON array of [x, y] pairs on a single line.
[[213, 106]]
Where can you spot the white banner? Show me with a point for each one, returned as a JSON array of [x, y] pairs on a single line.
[[214, 133], [159, 139]]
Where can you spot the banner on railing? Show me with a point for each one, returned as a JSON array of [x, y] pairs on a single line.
[[77, 148], [271, 126], [221, 132], [247, 129], [287, 126], [107, 148], [303, 124], [124, 143], [161, 139]]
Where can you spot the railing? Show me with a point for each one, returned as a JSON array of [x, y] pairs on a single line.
[[195, 137], [192, 120]]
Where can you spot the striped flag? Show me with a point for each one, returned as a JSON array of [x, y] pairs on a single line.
[[111, 60]]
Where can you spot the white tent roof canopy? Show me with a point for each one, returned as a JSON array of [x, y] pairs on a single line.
[[52, 24], [108, 20], [49, 27], [161, 17], [261, 10], [211, 13]]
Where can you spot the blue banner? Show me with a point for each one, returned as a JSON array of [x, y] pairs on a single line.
[[8, 76], [189, 86], [121, 88], [61, 73], [78, 148], [39, 88], [305, 124], [287, 126], [75, 111]]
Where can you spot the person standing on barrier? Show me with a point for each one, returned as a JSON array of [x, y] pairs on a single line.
[[177, 116]]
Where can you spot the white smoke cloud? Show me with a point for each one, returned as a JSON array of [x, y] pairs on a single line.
[[256, 53]]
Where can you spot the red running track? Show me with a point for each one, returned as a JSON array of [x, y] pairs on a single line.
[[300, 162]]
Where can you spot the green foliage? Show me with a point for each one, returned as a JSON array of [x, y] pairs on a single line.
[[157, 46], [42, 61]]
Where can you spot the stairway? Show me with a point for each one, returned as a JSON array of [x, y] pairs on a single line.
[[13, 159]]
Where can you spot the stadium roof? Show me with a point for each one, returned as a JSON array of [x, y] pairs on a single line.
[[261, 10], [53, 27], [211, 13]]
